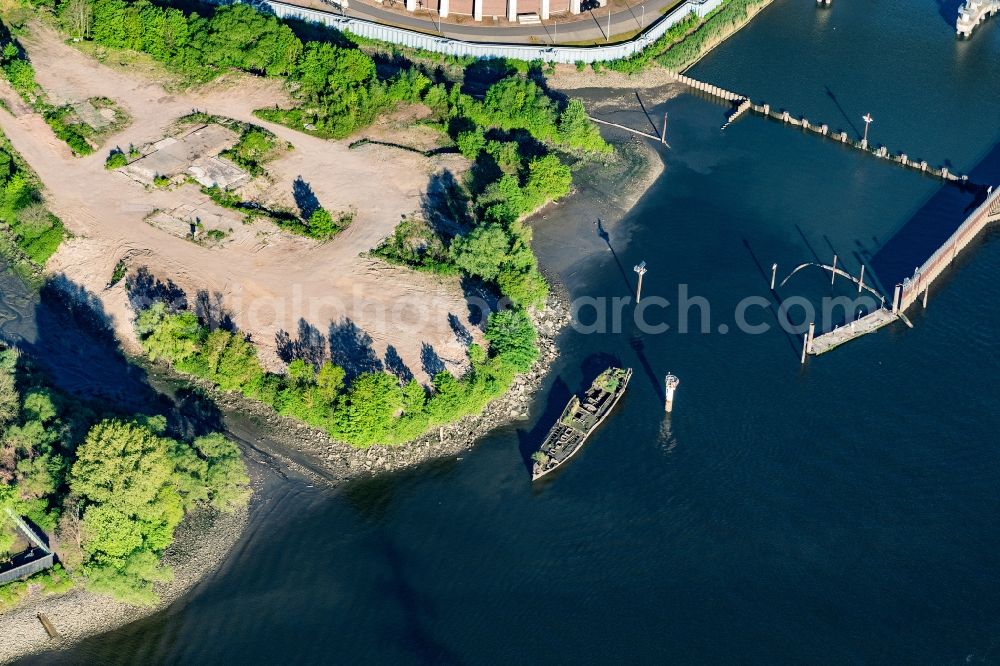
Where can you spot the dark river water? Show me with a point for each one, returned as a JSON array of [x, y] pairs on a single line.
[[844, 511]]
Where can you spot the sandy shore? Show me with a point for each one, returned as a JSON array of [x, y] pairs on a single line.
[[201, 544], [276, 446]]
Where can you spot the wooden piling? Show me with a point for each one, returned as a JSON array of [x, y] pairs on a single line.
[[861, 281], [812, 333], [895, 299], [663, 134], [49, 627], [833, 273], [925, 296], [805, 346], [774, 274]]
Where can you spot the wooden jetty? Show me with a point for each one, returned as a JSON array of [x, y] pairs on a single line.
[[917, 287], [869, 323], [741, 103]]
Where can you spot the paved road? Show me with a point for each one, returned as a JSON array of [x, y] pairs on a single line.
[[589, 26]]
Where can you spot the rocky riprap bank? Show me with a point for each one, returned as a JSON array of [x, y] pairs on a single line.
[[313, 452]]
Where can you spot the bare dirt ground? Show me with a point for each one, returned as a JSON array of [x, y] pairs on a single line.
[[266, 286]]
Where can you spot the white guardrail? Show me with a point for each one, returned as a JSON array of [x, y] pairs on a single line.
[[454, 47]]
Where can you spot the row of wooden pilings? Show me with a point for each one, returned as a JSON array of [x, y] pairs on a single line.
[[820, 129]]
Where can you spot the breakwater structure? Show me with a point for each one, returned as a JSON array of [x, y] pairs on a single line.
[[914, 288], [972, 13], [37, 557], [742, 104], [911, 289]]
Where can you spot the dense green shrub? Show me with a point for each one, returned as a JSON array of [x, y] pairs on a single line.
[[57, 117], [134, 485], [255, 146], [720, 22], [36, 233], [414, 244], [372, 408], [21, 76], [116, 160], [686, 41]]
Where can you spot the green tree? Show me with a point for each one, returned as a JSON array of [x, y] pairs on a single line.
[[482, 251], [506, 154], [470, 143], [517, 103], [503, 201], [9, 399], [173, 337], [512, 338], [226, 478], [578, 132], [17, 193], [231, 360], [321, 224], [330, 381], [548, 180], [370, 408], [125, 477]]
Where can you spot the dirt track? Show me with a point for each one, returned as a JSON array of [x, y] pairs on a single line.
[[266, 286]]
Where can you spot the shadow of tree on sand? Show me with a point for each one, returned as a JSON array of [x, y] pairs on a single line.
[[458, 328], [304, 197], [69, 337], [430, 361], [351, 348], [144, 289], [445, 206], [211, 313], [310, 345], [394, 364]]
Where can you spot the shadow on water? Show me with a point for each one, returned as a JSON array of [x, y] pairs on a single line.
[[70, 337], [931, 226], [528, 441], [843, 112], [774, 294], [642, 106], [948, 9], [418, 637], [639, 347], [373, 496], [602, 233]]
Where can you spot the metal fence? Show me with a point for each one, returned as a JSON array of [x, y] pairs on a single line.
[[454, 47]]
